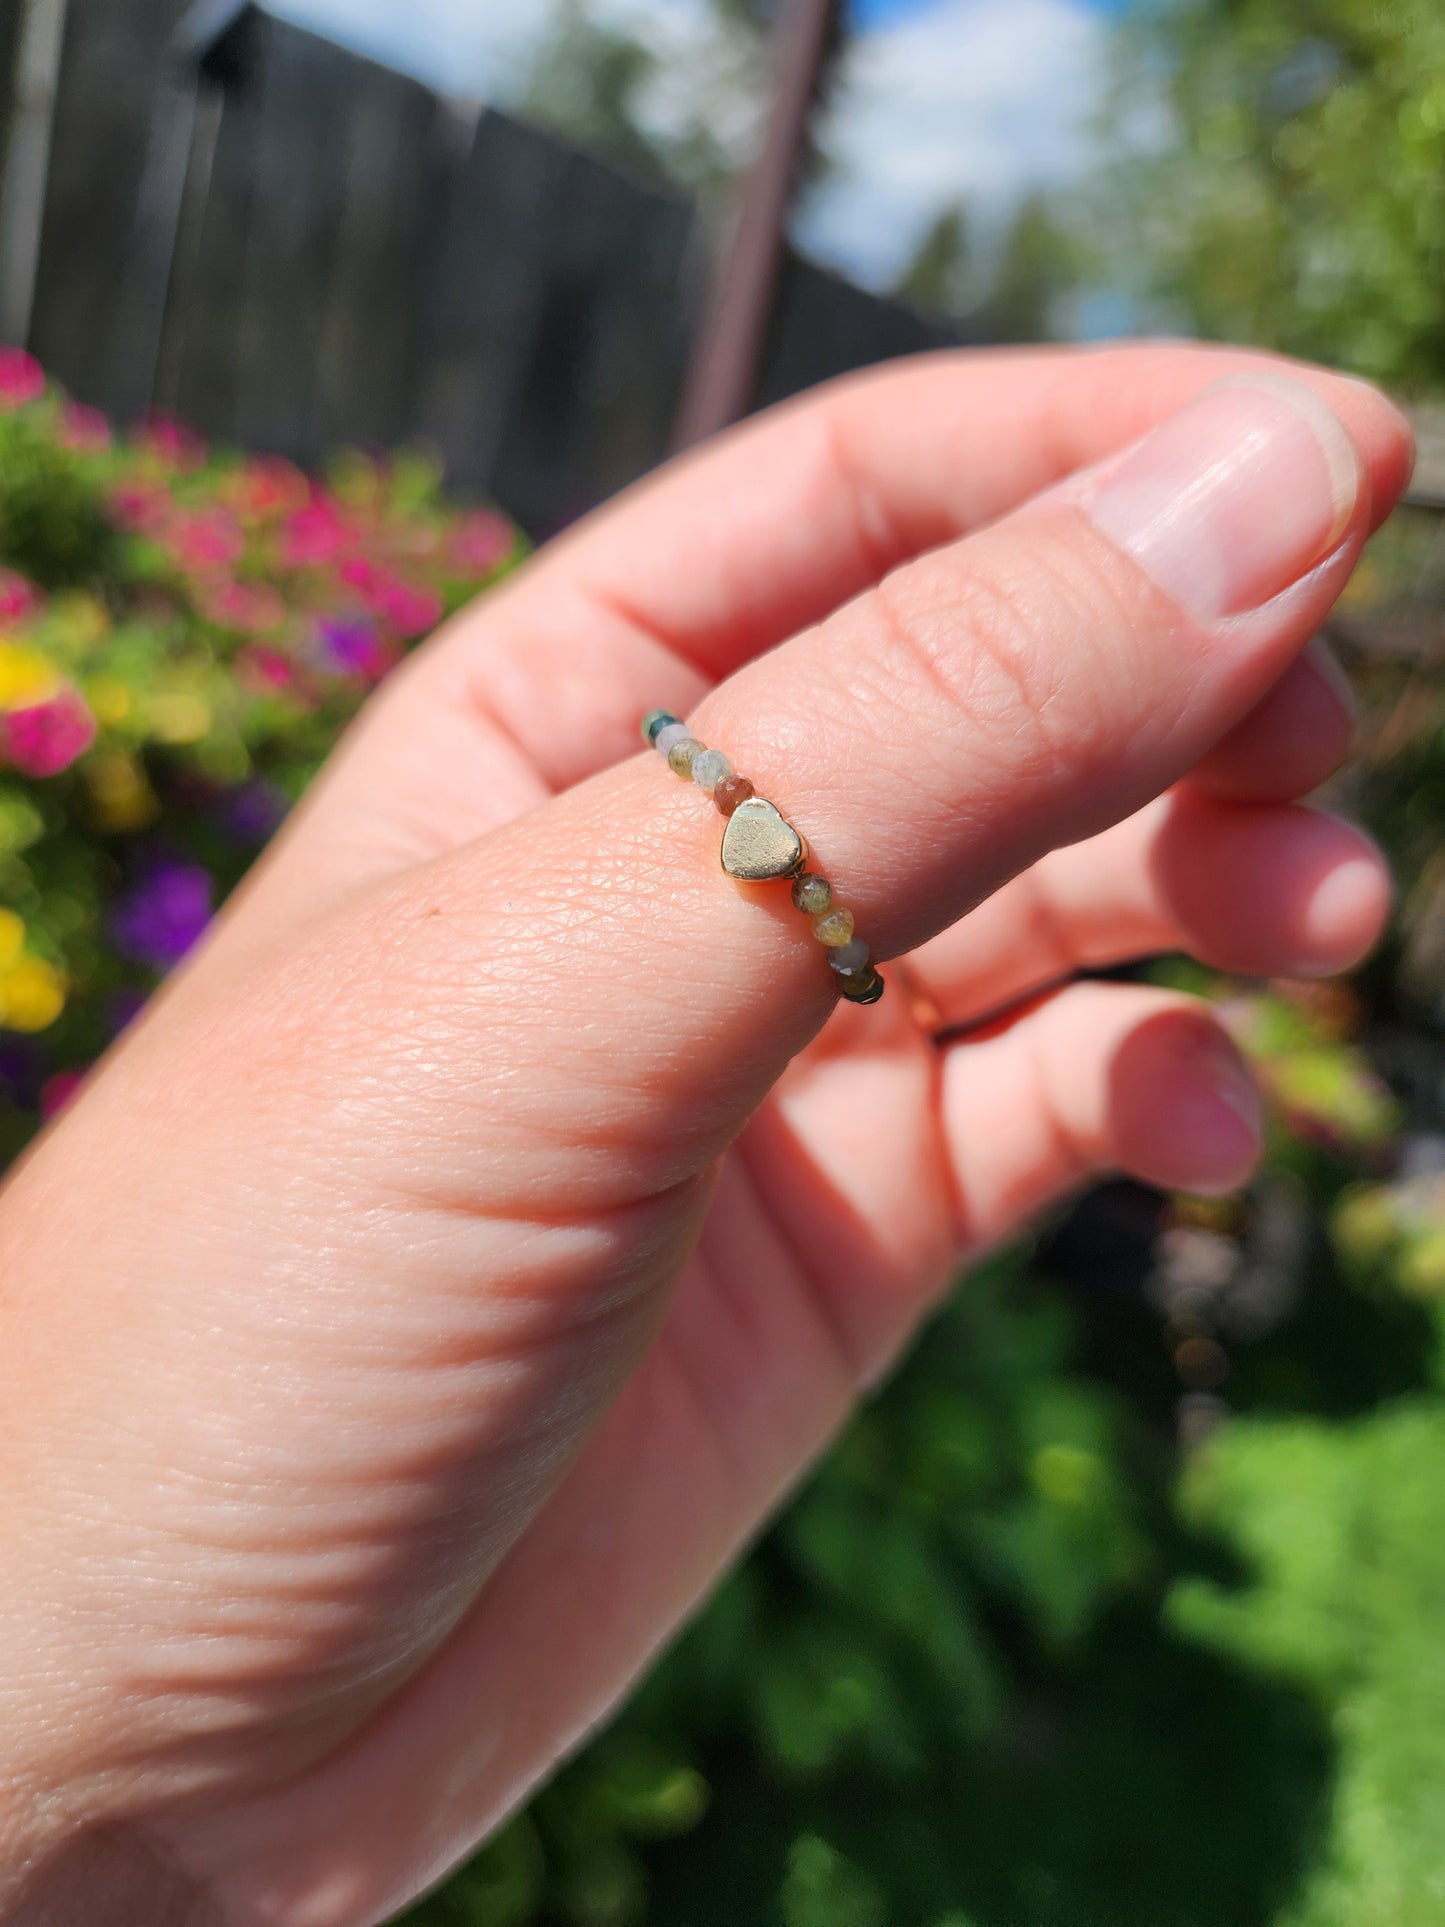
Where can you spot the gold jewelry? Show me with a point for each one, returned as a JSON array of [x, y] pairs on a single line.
[[760, 845]]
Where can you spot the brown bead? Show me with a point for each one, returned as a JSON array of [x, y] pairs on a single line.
[[861, 986], [731, 791], [835, 928], [813, 894]]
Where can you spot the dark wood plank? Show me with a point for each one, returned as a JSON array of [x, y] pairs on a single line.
[[594, 386], [485, 292], [395, 164], [112, 74], [825, 326]]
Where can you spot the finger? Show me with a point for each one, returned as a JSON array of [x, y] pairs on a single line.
[[1293, 740], [1261, 890], [520, 1065], [714, 561], [1099, 1078]]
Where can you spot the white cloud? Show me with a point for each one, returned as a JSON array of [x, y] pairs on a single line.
[[974, 100], [471, 48], [978, 100]]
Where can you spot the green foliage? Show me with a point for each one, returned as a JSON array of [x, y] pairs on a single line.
[[1342, 1529], [1282, 176], [182, 637]]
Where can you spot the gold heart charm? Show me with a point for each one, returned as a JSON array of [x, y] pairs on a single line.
[[760, 844]]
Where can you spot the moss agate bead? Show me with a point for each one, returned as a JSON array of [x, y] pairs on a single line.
[[709, 769], [652, 722], [731, 791], [813, 895], [681, 756], [862, 986], [834, 929]]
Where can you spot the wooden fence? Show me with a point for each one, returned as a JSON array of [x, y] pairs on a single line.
[[294, 248]]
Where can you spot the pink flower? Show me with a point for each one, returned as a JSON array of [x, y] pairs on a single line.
[[205, 543], [84, 431], [268, 667], [265, 487], [481, 542], [22, 379], [56, 1092], [47, 738], [18, 598], [315, 536], [251, 609], [172, 444], [406, 611], [142, 506], [410, 612]]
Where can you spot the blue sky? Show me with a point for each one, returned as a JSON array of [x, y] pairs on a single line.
[[939, 100]]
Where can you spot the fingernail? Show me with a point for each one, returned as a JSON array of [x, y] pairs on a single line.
[[1234, 498], [1222, 1123], [1322, 659]]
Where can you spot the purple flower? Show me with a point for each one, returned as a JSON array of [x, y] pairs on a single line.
[[157, 922], [124, 1006], [252, 814], [353, 645], [23, 1067]]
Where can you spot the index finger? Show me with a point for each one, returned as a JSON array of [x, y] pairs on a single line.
[[716, 559]]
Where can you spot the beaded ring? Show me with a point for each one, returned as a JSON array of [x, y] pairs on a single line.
[[761, 846]]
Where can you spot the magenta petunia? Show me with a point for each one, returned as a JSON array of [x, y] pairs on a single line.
[[411, 612], [84, 431], [18, 598], [266, 486], [145, 507], [204, 544], [481, 542], [48, 737], [172, 445], [22, 379], [316, 536], [250, 608], [56, 1092], [268, 667]]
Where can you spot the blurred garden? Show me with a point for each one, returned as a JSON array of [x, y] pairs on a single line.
[[1122, 1605]]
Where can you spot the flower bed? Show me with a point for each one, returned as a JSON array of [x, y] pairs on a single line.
[[183, 634]]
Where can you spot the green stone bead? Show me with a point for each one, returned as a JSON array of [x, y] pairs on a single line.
[[652, 722], [813, 895], [680, 757], [834, 929], [861, 986]]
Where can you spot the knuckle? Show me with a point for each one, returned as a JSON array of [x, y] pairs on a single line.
[[1022, 637]]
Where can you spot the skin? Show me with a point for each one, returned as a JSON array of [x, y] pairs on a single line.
[[492, 1223]]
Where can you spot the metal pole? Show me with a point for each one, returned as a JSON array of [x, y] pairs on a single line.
[[722, 377]]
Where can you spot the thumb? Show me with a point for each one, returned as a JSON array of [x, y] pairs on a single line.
[[387, 1223]]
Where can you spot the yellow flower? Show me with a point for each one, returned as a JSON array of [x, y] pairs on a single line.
[[12, 938], [79, 618], [109, 699], [178, 716], [26, 678], [121, 798], [32, 995]]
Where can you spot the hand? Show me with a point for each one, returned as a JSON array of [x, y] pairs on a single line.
[[489, 1226]]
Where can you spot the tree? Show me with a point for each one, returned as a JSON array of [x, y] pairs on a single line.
[[685, 110], [1285, 180], [933, 279]]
